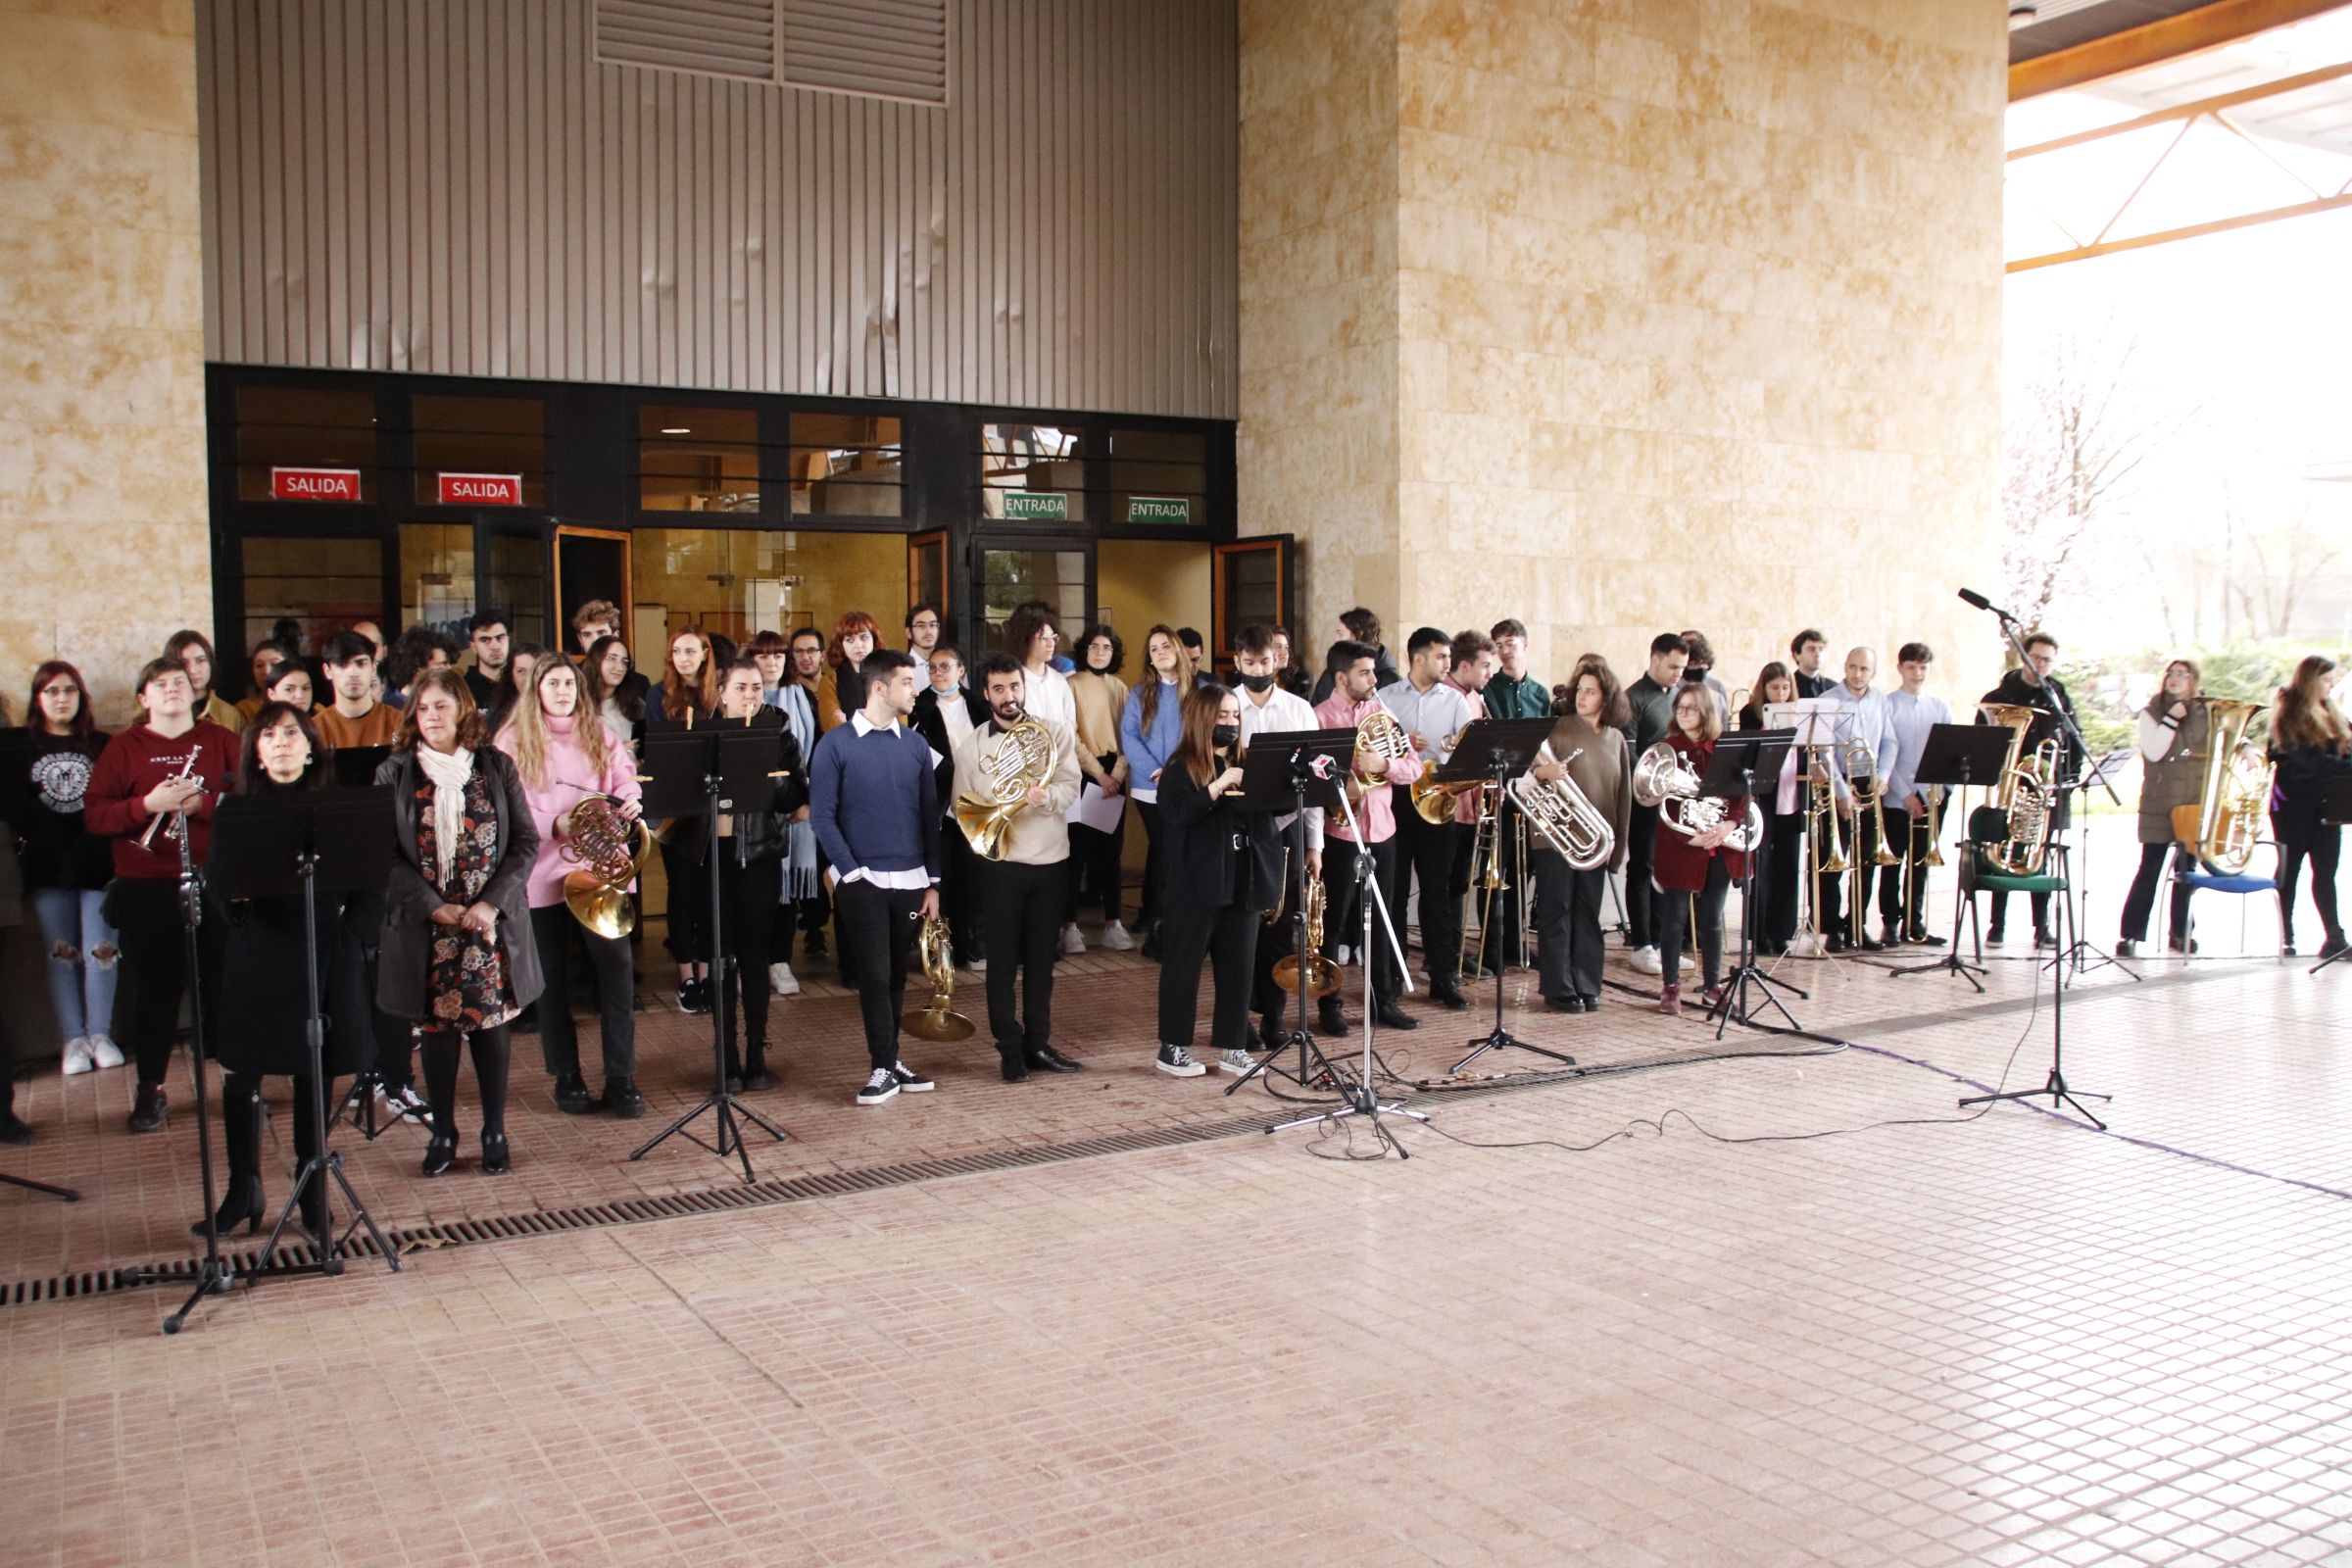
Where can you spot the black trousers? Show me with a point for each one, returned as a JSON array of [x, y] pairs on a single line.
[[1907, 837], [155, 963], [1228, 938], [959, 894], [747, 896], [394, 1042], [1845, 897], [492, 1050], [1780, 879], [1459, 897], [1426, 853], [241, 1121], [682, 867], [1674, 910], [1568, 943], [551, 928], [1094, 863], [1343, 915], [1147, 907], [1020, 913], [1499, 938], [2140, 903], [2320, 844], [1641, 861], [882, 925]]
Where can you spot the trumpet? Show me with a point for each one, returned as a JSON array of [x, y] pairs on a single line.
[[171, 823], [936, 1020]]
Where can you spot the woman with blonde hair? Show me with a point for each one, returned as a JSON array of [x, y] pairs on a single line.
[[2310, 748]]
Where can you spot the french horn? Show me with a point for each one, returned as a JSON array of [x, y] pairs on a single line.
[[1022, 760], [604, 862]]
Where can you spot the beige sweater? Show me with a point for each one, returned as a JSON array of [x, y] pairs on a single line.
[[1041, 835]]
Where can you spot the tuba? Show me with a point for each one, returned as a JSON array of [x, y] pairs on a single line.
[[1322, 975], [1381, 735], [935, 1020], [1662, 779], [2025, 796], [1022, 760], [1566, 818], [607, 852], [2226, 825]]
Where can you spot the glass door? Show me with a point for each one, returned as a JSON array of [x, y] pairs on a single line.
[[1252, 581], [512, 563], [1013, 569], [591, 564]]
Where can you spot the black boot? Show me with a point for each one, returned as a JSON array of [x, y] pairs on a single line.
[[242, 1205], [241, 1138], [1329, 1018]]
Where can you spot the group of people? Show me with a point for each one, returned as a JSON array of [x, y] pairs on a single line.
[[860, 838]]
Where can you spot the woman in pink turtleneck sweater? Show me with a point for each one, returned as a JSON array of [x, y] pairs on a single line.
[[563, 755]]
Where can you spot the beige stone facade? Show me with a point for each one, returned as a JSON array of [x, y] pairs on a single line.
[[102, 462], [1626, 318]]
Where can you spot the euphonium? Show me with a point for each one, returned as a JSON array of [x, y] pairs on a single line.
[[1379, 734], [1661, 778], [2226, 825], [597, 890], [1565, 816], [2024, 797], [1322, 975], [936, 1020], [1022, 760]]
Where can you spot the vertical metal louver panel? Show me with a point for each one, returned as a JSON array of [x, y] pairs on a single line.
[[725, 38], [892, 48]]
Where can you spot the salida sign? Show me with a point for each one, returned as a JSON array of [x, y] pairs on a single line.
[[315, 484], [482, 489]]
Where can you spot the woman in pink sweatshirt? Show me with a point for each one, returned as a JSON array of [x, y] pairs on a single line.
[[565, 755]]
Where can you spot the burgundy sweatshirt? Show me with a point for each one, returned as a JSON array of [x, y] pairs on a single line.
[[135, 761]]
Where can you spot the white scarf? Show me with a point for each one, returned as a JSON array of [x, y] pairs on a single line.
[[448, 773]]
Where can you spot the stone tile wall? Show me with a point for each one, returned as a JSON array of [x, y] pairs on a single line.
[[102, 514]]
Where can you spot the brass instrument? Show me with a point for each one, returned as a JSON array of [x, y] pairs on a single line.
[[1566, 818], [1434, 802], [1381, 735], [1661, 778], [1486, 867], [1869, 790], [170, 822], [2025, 796], [1022, 760], [1322, 975], [599, 847], [2226, 825], [935, 1020]]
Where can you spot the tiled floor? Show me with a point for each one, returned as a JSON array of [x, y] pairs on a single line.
[[1998, 1340]]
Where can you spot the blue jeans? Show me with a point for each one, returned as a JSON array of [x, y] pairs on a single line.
[[81, 986]]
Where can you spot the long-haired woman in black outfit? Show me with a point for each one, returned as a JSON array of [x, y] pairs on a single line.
[[264, 986], [2310, 748], [457, 957]]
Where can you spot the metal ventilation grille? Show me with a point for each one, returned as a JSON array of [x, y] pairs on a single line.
[[724, 37], [883, 48]]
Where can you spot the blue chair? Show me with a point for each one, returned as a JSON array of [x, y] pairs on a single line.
[[2194, 873]]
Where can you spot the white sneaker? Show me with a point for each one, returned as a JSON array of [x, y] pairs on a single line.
[[1071, 940], [105, 1053], [880, 1085], [1115, 936], [78, 1055], [405, 1103], [978, 966], [1177, 1062], [1645, 960], [782, 980], [1340, 955], [1235, 1062]]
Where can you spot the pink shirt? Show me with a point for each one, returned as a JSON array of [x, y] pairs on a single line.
[[1374, 811], [570, 779]]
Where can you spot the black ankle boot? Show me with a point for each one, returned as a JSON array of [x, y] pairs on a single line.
[[242, 1205], [496, 1162], [440, 1151]]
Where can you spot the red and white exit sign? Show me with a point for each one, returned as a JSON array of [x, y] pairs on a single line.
[[315, 484], [482, 489]]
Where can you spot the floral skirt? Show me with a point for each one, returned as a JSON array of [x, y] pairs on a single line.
[[468, 983]]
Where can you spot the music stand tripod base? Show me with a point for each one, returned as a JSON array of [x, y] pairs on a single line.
[[2055, 1087], [1509, 747]]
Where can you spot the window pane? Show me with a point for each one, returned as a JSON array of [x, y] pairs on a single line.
[[1252, 586], [846, 466], [323, 584], [436, 575], [303, 427], [480, 435], [1010, 576], [737, 582], [518, 584], [698, 458], [1166, 471], [1032, 473]]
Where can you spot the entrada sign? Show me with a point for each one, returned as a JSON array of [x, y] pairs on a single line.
[[1160, 509], [1037, 505]]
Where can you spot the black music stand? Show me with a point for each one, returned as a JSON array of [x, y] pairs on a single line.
[[214, 1276], [1491, 753], [714, 769], [2334, 812], [270, 845], [1733, 773], [354, 769], [1293, 770], [1956, 757], [15, 799]]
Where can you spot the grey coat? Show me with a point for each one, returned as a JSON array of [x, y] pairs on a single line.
[[409, 899]]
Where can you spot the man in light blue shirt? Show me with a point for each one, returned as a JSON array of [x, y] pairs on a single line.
[[1910, 715], [1863, 733]]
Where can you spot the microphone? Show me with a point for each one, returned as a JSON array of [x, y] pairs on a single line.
[[1975, 597]]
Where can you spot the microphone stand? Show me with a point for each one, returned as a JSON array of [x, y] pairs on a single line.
[[212, 1273], [2055, 1085], [1359, 1096]]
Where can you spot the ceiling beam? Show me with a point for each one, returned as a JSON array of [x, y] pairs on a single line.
[[2189, 110], [2220, 226], [2207, 28]]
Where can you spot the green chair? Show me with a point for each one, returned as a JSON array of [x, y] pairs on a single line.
[[1988, 826]]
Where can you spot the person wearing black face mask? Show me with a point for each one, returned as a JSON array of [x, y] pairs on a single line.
[[1267, 709], [1222, 869]]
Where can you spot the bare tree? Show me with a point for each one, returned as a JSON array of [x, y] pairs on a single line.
[[2070, 450], [2268, 594]]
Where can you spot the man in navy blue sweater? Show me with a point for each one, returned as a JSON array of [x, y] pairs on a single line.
[[874, 802]]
